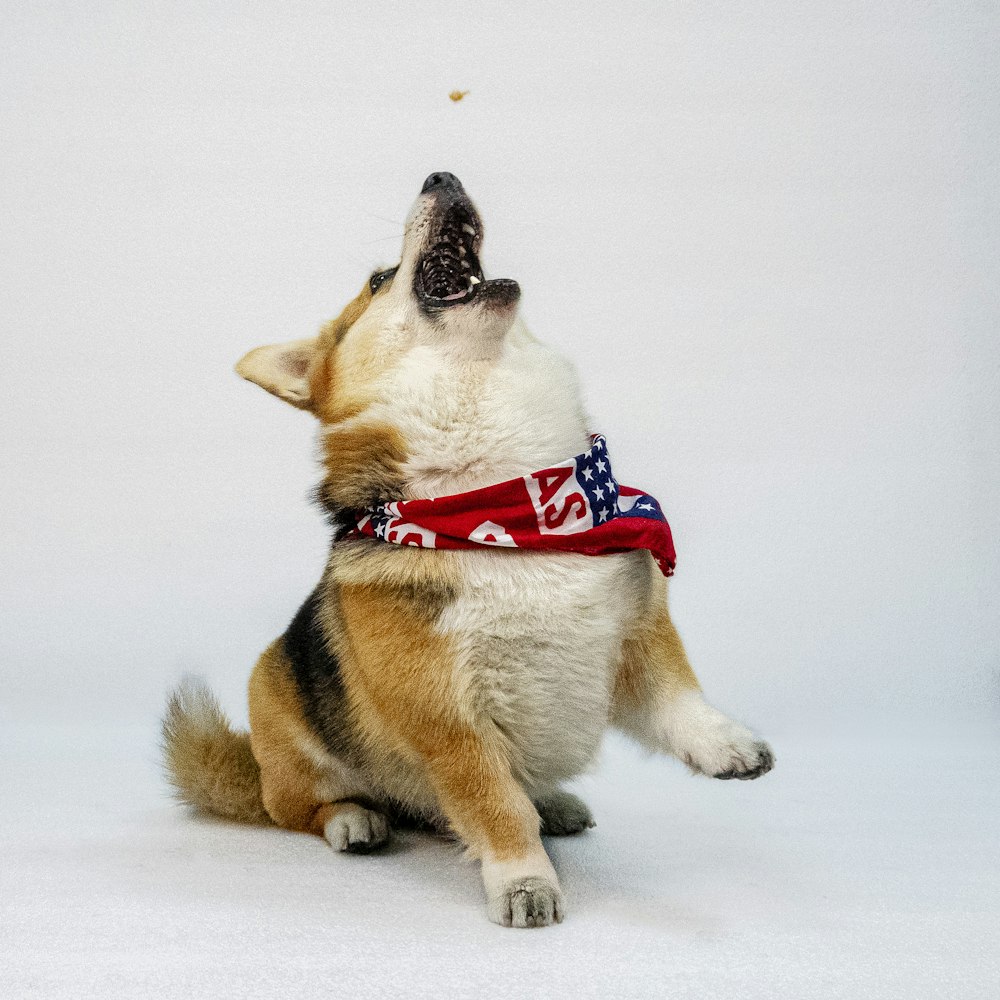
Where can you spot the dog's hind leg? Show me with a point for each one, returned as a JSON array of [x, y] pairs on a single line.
[[657, 699], [303, 787]]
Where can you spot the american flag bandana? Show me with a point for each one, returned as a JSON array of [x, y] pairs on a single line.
[[575, 506]]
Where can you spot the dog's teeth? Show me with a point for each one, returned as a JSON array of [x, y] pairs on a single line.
[[466, 228], [473, 280]]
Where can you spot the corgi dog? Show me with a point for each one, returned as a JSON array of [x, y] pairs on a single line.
[[457, 686]]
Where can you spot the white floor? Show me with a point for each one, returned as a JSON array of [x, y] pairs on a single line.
[[857, 869]]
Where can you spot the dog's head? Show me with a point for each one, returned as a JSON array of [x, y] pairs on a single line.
[[399, 356], [425, 384], [436, 295]]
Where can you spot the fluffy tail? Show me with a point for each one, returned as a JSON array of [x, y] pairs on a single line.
[[209, 764]]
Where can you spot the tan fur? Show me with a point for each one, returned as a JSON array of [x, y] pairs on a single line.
[[351, 356], [363, 464], [653, 661], [409, 693], [331, 394], [314, 374], [336, 329], [430, 571], [295, 789], [344, 385], [210, 765]]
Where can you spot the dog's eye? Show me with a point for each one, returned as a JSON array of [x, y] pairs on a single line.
[[379, 278]]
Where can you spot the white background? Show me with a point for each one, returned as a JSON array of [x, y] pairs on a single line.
[[766, 232]]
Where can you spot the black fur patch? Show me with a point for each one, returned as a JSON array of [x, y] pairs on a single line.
[[317, 676]]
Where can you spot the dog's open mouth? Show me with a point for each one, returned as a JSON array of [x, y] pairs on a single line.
[[449, 272]]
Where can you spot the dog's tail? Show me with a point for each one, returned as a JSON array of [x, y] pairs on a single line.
[[209, 763]]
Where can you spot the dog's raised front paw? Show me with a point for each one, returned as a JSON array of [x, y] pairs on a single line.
[[747, 766], [712, 743]]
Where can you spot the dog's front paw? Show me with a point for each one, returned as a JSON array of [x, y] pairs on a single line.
[[728, 750], [748, 764], [527, 902], [523, 891], [355, 829]]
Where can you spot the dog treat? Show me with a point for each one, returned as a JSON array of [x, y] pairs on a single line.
[[457, 95]]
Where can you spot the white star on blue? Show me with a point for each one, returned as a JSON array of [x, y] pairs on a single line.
[[645, 506], [601, 493]]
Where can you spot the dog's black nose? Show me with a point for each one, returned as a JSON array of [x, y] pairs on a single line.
[[442, 179]]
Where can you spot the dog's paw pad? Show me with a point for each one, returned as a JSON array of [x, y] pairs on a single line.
[[356, 830]]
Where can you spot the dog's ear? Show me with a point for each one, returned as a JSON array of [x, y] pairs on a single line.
[[282, 369]]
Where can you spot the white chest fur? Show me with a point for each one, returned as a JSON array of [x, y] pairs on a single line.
[[539, 637], [538, 634]]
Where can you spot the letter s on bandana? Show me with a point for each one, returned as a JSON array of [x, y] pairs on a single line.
[[575, 506]]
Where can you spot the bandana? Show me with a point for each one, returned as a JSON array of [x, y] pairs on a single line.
[[575, 506]]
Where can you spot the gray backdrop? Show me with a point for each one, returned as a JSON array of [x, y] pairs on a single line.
[[767, 233]]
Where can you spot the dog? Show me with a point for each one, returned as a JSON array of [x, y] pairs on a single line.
[[436, 675]]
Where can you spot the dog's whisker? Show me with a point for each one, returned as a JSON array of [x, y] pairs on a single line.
[[382, 218]]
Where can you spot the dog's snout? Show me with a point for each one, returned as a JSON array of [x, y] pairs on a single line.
[[441, 179]]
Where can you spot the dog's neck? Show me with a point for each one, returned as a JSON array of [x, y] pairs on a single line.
[[451, 425], [481, 423]]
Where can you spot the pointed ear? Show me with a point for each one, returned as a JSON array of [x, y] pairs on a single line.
[[282, 369]]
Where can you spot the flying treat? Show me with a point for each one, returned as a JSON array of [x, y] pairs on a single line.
[[457, 95]]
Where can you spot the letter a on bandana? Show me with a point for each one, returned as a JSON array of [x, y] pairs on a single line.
[[575, 506]]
